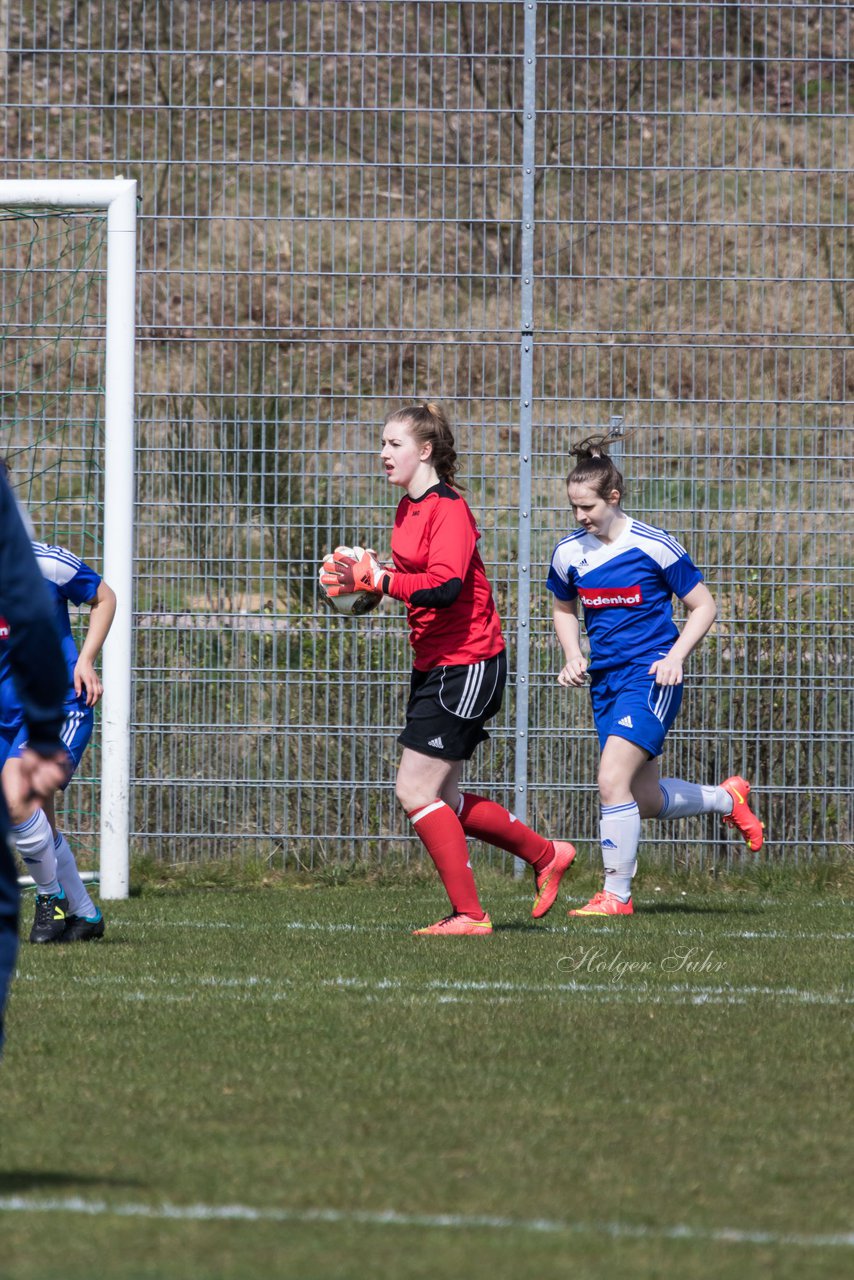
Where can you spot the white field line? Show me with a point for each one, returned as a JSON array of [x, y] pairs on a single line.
[[797, 936], [310, 926], [317, 926], [436, 1221], [150, 987]]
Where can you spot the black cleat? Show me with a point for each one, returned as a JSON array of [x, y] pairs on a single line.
[[79, 929], [50, 918]]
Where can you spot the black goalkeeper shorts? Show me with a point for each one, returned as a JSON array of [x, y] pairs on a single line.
[[449, 706]]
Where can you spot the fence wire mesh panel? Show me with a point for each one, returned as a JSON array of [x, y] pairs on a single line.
[[332, 224]]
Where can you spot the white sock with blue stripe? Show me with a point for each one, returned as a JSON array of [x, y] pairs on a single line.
[[79, 902], [34, 841], [619, 830], [684, 799]]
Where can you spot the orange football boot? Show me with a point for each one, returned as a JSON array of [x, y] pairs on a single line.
[[458, 925], [548, 881], [742, 818], [604, 903]]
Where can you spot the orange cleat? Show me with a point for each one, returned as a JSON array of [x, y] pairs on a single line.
[[548, 881], [604, 903], [741, 817], [458, 925]]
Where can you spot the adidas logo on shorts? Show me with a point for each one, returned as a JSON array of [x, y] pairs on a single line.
[[626, 722], [436, 742]]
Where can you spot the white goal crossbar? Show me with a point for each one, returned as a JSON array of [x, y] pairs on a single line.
[[118, 198]]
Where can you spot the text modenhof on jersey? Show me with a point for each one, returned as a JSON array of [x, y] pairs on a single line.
[[604, 598]]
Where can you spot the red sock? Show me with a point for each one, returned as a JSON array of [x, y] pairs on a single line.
[[438, 827], [494, 824]]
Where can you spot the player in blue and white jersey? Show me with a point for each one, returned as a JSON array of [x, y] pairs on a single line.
[[625, 574], [64, 910], [38, 667]]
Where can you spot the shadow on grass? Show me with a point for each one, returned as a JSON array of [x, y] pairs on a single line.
[[711, 909], [69, 948], [521, 926], [16, 1180], [650, 909]]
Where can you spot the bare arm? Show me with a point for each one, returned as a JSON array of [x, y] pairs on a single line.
[[568, 633], [702, 612], [102, 612]]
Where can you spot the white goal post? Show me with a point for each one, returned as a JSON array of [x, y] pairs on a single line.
[[117, 197]]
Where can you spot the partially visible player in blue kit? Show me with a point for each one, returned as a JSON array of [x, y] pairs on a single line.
[[625, 574], [36, 663], [64, 910]]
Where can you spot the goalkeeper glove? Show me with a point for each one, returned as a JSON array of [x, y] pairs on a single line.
[[342, 573]]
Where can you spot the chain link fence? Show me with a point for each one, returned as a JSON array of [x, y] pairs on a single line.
[[547, 216]]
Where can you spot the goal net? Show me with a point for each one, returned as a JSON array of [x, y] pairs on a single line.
[[67, 264], [52, 277]]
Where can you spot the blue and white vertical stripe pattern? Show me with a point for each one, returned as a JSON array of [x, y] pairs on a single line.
[[73, 721], [663, 698]]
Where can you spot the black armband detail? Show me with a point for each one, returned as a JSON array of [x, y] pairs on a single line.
[[385, 584], [437, 597]]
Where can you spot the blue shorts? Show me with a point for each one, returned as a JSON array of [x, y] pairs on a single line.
[[629, 704], [75, 734]]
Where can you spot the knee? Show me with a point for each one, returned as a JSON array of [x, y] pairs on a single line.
[[20, 811], [613, 786], [409, 794]]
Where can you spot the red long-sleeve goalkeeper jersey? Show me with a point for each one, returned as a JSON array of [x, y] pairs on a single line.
[[441, 580]]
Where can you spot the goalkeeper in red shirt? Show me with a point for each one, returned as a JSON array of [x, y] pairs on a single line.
[[459, 670]]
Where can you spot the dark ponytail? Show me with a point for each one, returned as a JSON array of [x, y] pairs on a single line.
[[594, 467]]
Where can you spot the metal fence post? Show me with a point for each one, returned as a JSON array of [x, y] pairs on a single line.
[[526, 399]]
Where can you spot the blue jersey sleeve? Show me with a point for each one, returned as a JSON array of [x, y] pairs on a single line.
[[73, 579], [561, 582], [682, 576]]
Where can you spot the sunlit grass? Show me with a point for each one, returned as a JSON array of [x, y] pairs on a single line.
[[293, 1051]]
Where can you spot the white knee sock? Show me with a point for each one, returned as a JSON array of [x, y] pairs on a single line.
[[79, 902], [34, 841], [684, 799], [619, 829]]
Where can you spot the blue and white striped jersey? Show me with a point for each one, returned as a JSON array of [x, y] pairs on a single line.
[[68, 579], [626, 588]]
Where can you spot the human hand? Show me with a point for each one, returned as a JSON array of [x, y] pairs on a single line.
[[38, 776], [573, 673], [86, 677], [667, 671], [387, 566], [342, 573]]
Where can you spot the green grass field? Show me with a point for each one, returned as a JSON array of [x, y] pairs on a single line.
[[283, 1083]]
